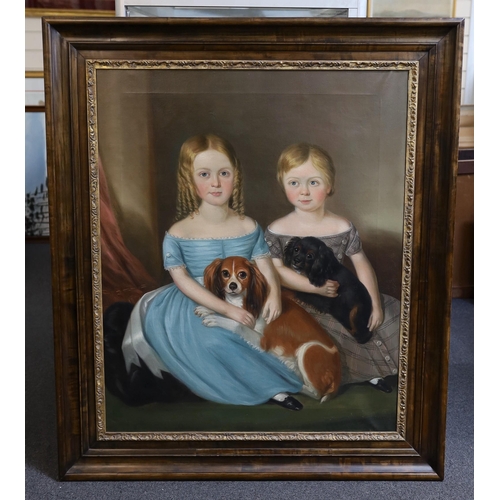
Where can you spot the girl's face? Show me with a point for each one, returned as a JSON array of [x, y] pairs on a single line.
[[306, 187], [213, 177]]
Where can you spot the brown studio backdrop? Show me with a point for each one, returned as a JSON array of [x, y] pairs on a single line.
[[358, 116]]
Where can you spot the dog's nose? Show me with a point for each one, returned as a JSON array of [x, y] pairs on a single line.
[[233, 286]]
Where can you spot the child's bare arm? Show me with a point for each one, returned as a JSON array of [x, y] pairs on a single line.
[[366, 275], [272, 307]]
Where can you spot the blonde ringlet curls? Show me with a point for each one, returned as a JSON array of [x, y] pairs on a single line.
[[188, 200], [297, 154]]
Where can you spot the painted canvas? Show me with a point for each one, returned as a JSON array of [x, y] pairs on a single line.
[[177, 150]]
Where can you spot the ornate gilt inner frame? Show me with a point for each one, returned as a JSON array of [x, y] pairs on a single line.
[[429, 55]]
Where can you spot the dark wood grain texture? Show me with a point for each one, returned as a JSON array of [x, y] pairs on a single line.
[[437, 46]]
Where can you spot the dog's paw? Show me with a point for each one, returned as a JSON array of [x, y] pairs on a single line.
[[211, 320], [202, 311], [326, 398]]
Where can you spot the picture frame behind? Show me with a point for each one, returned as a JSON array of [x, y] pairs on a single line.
[[36, 8], [36, 196], [83, 60]]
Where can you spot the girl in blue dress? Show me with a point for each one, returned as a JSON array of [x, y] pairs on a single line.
[[165, 333]]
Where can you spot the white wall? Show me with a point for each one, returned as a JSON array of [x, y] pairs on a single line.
[[33, 55]]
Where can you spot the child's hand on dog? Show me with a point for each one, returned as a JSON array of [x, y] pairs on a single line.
[[376, 318], [329, 289], [271, 310], [241, 316]]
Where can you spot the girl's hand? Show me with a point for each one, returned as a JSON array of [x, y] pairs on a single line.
[[329, 289], [272, 309], [241, 316], [376, 318]]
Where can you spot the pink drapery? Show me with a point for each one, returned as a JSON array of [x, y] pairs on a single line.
[[124, 278]]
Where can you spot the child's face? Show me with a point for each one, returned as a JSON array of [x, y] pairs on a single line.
[[213, 177], [306, 187]]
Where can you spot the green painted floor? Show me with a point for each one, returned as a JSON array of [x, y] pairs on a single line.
[[358, 408]]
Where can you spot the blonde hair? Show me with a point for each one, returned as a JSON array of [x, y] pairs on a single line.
[[297, 154], [188, 200]]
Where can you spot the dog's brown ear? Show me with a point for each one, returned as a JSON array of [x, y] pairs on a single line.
[[212, 278], [257, 292]]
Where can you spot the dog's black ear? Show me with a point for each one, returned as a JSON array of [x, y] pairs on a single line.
[[322, 262], [257, 292], [213, 280], [288, 251], [333, 262]]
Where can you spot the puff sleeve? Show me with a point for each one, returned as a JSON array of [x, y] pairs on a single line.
[[274, 245], [172, 253], [353, 243], [260, 248]]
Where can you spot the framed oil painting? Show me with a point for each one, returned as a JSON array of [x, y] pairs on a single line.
[[251, 224]]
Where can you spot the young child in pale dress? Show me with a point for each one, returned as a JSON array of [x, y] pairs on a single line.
[[307, 176], [165, 334]]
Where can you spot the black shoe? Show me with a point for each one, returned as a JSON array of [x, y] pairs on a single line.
[[382, 385], [289, 403]]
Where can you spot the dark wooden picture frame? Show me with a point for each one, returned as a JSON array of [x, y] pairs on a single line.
[[429, 52]]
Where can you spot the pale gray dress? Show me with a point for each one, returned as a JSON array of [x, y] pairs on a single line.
[[360, 362]]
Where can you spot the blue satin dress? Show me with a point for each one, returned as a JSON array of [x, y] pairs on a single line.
[[214, 363]]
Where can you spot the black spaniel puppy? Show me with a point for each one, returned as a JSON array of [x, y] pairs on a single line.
[[315, 260]]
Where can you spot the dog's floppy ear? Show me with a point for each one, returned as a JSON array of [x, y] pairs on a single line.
[[257, 291], [212, 278], [322, 262], [288, 251]]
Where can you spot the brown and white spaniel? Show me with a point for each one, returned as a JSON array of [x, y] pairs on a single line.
[[295, 336]]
